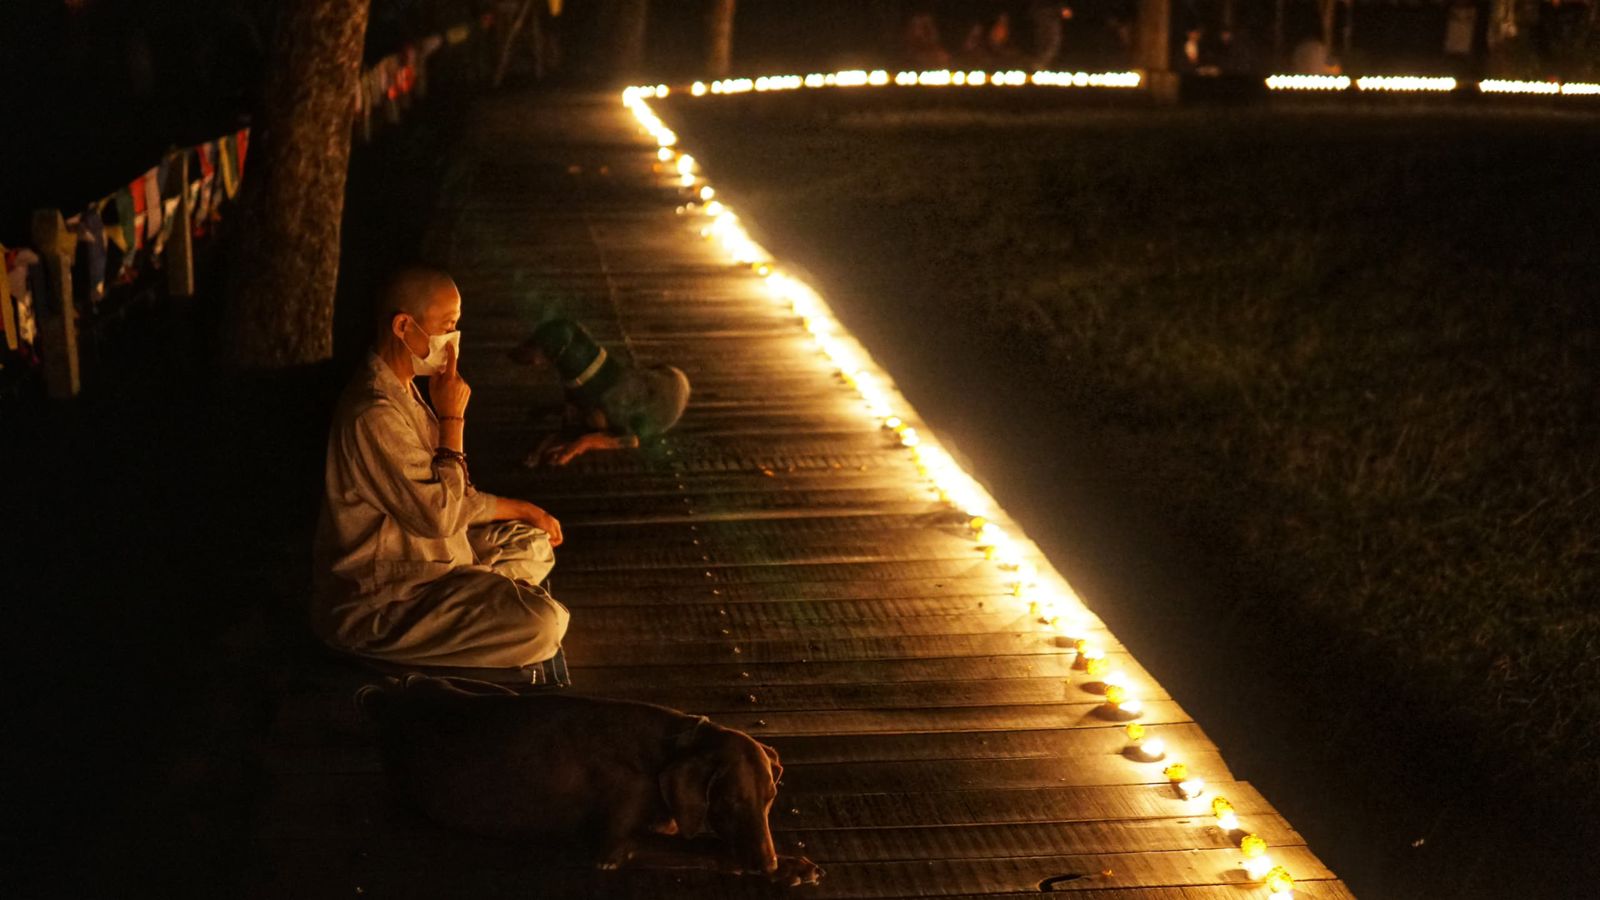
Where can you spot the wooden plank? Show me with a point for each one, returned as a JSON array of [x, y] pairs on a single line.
[[746, 695], [487, 871], [1183, 738], [803, 650], [763, 723], [326, 806]]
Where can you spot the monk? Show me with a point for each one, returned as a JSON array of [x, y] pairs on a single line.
[[413, 563]]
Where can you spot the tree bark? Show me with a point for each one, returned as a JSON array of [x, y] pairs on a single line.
[[625, 31], [284, 261], [719, 38], [1155, 38]]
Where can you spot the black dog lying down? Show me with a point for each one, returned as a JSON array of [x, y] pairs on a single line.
[[659, 787]]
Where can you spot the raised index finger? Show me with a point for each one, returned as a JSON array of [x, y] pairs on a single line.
[[450, 359]]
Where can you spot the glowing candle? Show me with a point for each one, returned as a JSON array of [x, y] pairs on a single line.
[[707, 192], [1223, 810], [1191, 788], [1279, 882], [1257, 867]]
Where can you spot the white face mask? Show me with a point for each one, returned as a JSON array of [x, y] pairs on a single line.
[[434, 361]]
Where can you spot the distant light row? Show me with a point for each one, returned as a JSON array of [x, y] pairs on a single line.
[[1417, 84], [1017, 78], [1048, 600]]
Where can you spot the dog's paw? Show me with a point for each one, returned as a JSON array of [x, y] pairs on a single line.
[[620, 855], [796, 870]]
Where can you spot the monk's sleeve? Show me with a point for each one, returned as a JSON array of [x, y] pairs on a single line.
[[427, 497], [483, 506]]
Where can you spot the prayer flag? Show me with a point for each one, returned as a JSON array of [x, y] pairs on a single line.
[[152, 204], [206, 153], [90, 261], [19, 264], [227, 162], [8, 312], [125, 235], [242, 141]]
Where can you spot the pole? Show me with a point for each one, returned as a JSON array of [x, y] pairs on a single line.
[[58, 327], [180, 247]]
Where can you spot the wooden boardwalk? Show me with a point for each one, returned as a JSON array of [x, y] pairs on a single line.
[[779, 565]]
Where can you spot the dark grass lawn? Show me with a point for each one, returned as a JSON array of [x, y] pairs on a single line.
[[1344, 361]]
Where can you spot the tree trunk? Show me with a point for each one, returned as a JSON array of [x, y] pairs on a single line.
[[508, 40], [1279, 52], [624, 24], [284, 262], [1329, 13], [719, 38], [1154, 44]]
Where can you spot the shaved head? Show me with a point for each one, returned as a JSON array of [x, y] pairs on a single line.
[[420, 292]]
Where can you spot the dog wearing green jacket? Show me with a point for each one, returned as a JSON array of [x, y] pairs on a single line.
[[610, 405]]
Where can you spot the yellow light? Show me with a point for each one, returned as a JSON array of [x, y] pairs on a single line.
[[1154, 749], [1406, 83], [698, 89], [878, 78], [664, 154], [662, 90], [1228, 821], [1115, 694], [1257, 867], [1580, 88], [1252, 846], [707, 192], [715, 208], [1220, 805], [1096, 665], [1191, 788], [1118, 678], [1279, 882], [1308, 82], [1506, 86], [976, 523], [1132, 707]]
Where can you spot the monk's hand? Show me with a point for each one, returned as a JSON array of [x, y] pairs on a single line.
[[543, 521], [561, 454], [447, 389]]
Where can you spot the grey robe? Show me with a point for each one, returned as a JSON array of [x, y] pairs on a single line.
[[409, 567]]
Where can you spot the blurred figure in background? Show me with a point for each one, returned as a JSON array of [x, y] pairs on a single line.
[[923, 49]]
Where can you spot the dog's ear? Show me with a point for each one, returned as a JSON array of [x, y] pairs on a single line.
[[772, 758], [686, 786]]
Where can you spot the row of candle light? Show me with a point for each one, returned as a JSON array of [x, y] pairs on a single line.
[[1017, 78], [1417, 83], [1046, 596], [929, 78]]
